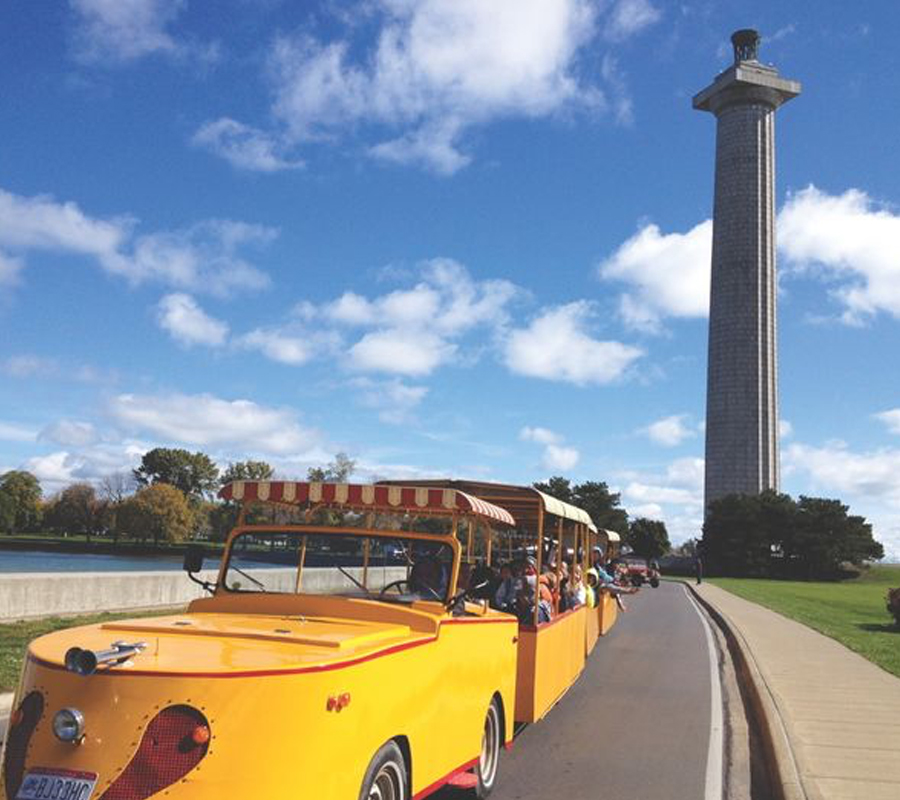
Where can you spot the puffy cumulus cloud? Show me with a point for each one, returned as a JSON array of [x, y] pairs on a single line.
[[628, 17], [394, 351], [539, 435], [434, 70], [873, 475], [556, 455], [189, 324], [667, 275], [413, 331], [559, 457], [670, 431], [205, 257], [244, 146], [673, 494], [849, 239], [891, 419], [11, 432], [394, 400], [70, 433], [557, 346], [87, 463], [278, 345], [869, 482], [206, 421], [118, 31]]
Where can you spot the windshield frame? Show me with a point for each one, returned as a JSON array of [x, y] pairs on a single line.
[[448, 540]]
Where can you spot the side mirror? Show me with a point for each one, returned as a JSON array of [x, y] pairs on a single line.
[[193, 558]]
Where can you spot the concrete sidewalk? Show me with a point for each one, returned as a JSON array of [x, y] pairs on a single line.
[[834, 717], [5, 704]]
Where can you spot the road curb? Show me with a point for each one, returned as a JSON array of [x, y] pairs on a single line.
[[779, 757], [5, 707]]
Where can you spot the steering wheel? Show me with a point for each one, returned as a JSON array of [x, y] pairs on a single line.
[[411, 590], [395, 585]]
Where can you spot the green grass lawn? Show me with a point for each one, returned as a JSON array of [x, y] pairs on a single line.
[[15, 636], [852, 612]]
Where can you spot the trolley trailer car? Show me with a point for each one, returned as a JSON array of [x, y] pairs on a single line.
[[336, 658]]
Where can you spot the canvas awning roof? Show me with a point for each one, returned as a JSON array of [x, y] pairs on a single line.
[[366, 496]]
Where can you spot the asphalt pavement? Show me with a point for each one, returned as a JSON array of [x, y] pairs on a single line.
[[635, 724]]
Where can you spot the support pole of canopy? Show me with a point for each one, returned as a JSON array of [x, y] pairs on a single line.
[[560, 533], [300, 566], [539, 560]]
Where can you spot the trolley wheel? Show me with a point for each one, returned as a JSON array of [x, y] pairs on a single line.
[[386, 778], [637, 580], [489, 760], [654, 582]]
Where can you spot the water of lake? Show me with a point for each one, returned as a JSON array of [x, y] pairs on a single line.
[[38, 561]]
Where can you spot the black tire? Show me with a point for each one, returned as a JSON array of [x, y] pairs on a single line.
[[637, 580], [489, 760], [387, 777], [654, 582]]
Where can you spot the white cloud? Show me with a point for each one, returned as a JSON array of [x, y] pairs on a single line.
[[558, 457], [869, 482], [189, 324], [70, 433], [557, 346], [243, 146], [670, 431], [539, 435], [414, 331], [785, 429], [891, 419], [55, 469], [437, 68], [673, 494], [10, 432], [849, 239], [395, 351], [394, 400], [668, 275], [874, 475], [9, 270], [207, 421], [628, 17], [126, 30], [278, 345], [204, 257], [29, 366]]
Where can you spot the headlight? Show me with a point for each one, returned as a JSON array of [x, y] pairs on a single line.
[[68, 725]]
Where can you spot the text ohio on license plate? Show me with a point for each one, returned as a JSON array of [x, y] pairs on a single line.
[[56, 784]]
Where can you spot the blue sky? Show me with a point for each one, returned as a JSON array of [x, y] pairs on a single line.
[[449, 237]]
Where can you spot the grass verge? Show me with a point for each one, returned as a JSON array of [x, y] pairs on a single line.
[[852, 612], [15, 636]]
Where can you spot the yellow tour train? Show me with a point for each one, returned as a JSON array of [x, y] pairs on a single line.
[[347, 650]]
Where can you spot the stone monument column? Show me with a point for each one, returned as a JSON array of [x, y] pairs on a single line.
[[742, 376]]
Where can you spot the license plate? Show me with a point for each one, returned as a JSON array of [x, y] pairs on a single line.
[[57, 784]]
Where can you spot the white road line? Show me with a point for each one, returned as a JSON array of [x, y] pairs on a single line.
[[714, 759]]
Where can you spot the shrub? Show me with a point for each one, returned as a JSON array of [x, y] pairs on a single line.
[[893, 604]]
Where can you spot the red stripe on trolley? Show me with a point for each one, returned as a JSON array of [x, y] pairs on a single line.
[[432, 788], [262, 673]]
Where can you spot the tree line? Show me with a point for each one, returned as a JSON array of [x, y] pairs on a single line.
[[168, 498]]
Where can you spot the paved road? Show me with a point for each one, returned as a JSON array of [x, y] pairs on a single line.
[[635, 725]]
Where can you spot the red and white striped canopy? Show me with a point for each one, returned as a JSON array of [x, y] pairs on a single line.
[[356, 495]]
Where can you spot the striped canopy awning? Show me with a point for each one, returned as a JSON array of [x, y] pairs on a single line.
[[366, 496]]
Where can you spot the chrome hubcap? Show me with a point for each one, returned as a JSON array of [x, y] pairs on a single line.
[[490, 747], [388, 784]]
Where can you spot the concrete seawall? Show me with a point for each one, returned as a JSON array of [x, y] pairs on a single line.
[[43, 594]]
